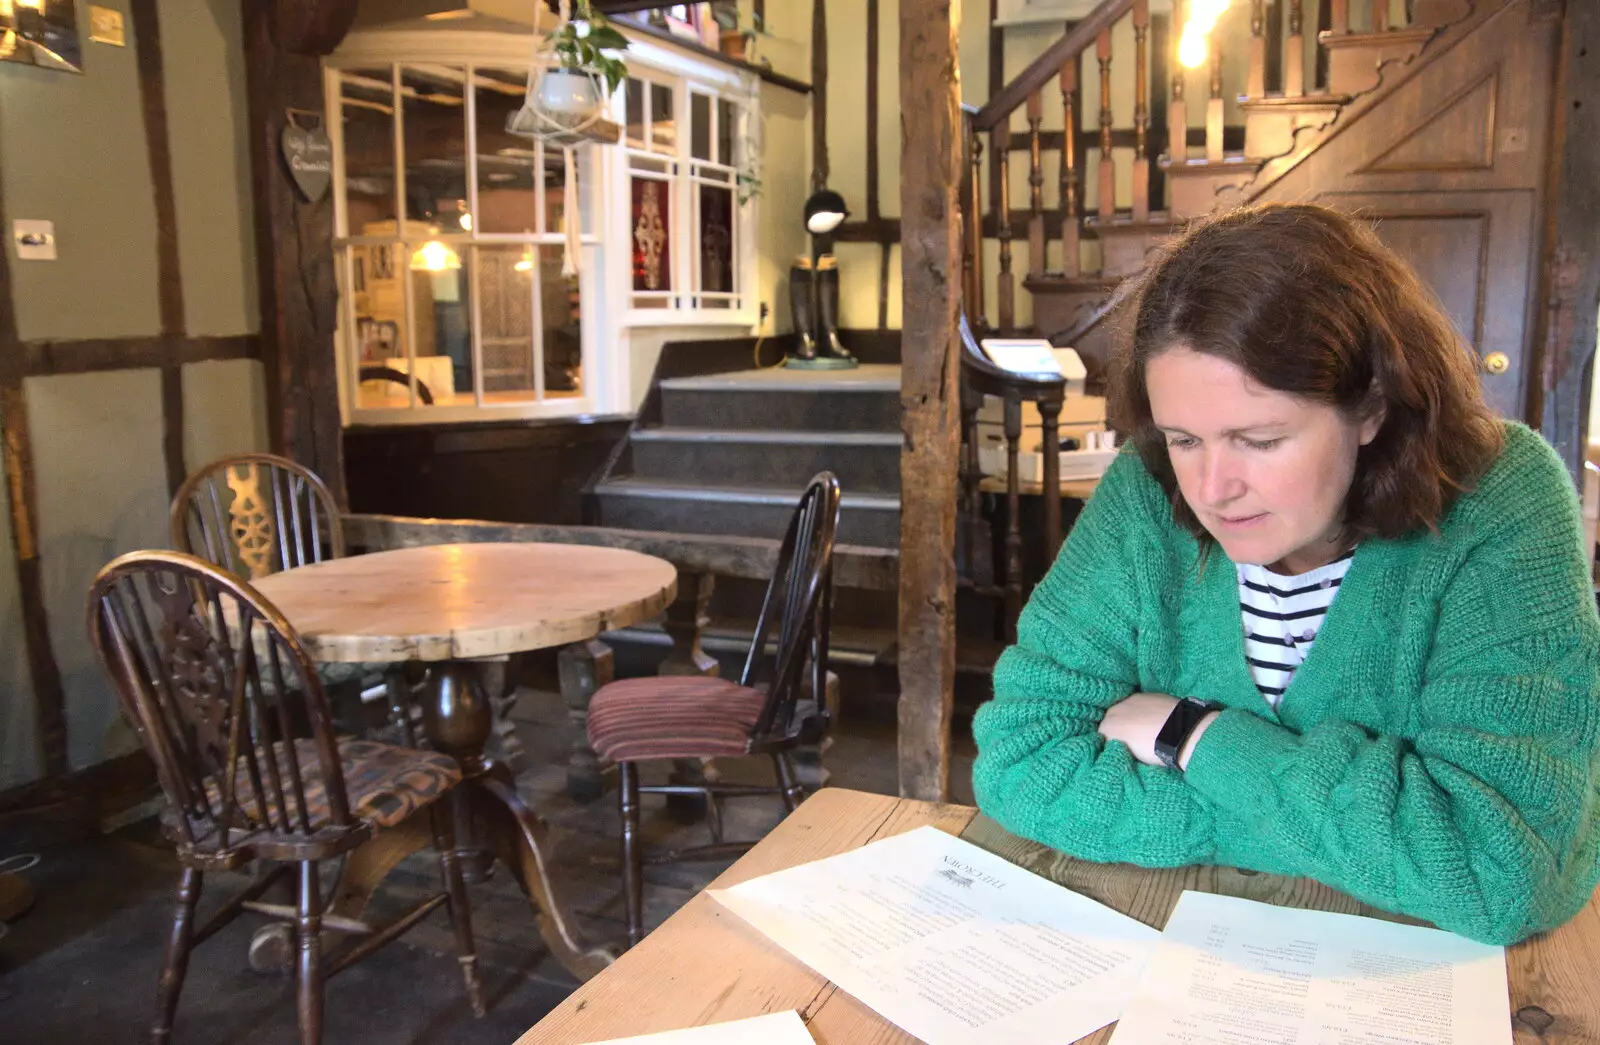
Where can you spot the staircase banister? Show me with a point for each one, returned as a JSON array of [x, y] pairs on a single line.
[[989, 379], [1047, 66]]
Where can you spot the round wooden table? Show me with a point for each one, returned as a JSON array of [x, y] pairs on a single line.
[[459, 607]]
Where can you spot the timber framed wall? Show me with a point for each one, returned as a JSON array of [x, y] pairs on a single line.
[[123, 362]]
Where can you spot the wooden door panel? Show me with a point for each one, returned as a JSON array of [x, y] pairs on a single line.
[[1477, 251]]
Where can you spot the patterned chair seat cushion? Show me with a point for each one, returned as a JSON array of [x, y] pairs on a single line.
[[383, 783], [690, 716]]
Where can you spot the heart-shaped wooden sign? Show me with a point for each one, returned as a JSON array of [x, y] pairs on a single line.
[[309, 155]]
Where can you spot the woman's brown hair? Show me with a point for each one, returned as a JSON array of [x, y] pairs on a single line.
[[1308, 301]]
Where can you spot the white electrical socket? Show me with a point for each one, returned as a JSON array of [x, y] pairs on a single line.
[[35, 240]]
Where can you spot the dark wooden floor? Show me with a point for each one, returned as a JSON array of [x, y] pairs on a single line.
[[81, 966]]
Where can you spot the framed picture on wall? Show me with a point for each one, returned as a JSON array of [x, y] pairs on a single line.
[[1022, 12], [42, 33]]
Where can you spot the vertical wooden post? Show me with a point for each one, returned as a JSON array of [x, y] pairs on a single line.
[[1108, 172], [1565, 349], [1035, 186], [169, 280], [1256, 85], [819, 94], [1005, 283], [977, 308], [1069, 167], [1380, 16], [294, 253], [930, 390], [1178, 110], [1214, 103], [1294, 67], [1141, 110]]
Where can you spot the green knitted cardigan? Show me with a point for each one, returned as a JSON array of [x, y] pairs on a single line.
[[1435, 754]]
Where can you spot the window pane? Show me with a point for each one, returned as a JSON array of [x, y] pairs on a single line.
[[651, 222], [635, 99], [508, 165], [716, 239], [435, 136], [367, 100], [442, 311], [561, 322], [505, 304], [663, 128], [377, 291], [700, 126], [727, 133]]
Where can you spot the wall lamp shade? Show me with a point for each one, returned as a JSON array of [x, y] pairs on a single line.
[[825, 211], [435, 256]]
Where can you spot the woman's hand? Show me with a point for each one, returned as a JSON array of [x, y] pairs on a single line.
[[1135, 720]]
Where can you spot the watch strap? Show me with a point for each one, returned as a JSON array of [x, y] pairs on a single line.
[[1180, 724]]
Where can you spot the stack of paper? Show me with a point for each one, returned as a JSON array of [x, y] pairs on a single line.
[[950, 942], [1235, 972], [956, 945]]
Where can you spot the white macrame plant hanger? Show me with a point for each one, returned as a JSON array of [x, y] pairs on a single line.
[[533, 120]]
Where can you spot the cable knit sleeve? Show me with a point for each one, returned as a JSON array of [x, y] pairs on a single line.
[[1043, 771], [1483, 819]]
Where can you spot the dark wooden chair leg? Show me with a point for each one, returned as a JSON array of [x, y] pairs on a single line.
[[632, 858], [788, 786], [176, 964], [308, 971], [460, 907]]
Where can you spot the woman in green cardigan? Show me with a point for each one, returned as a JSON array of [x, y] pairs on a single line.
[[1333, 618]]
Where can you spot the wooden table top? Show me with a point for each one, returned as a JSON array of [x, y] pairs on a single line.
[[459, 601], [707, 965], [1082, 489]]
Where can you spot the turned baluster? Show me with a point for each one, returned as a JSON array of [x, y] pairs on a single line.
[[1214, 103], [1005, 282], [1069, 168], [1177, 109], [1035, 186], [975, 291], [1380, 16], [1108, 178], [1050, 491], [1013, 587], [1294, 67], [1257, 85], [1141, 110], [1339, 16]]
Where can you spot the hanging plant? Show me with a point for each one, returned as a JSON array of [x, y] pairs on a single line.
[[589, 43]]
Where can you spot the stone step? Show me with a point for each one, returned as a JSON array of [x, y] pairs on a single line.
[[743, 511], [864, 462], [866, 399]]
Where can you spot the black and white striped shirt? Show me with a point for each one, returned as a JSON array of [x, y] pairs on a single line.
[[1282, 616]]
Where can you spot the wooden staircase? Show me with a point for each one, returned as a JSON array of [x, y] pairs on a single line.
[[1283, 120]]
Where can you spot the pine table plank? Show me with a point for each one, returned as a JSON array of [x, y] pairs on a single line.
[[707, 965]]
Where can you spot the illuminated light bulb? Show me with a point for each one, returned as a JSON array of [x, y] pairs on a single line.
[[466, 221], [33, 5], [435, 256], [1192, 50]]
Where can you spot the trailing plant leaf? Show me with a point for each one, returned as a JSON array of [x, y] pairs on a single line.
[[590, 43]]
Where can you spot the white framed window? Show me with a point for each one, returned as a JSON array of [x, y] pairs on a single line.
[[684, 144], [449, 233]]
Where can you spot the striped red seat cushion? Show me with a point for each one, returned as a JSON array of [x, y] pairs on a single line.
[[690, 716]]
